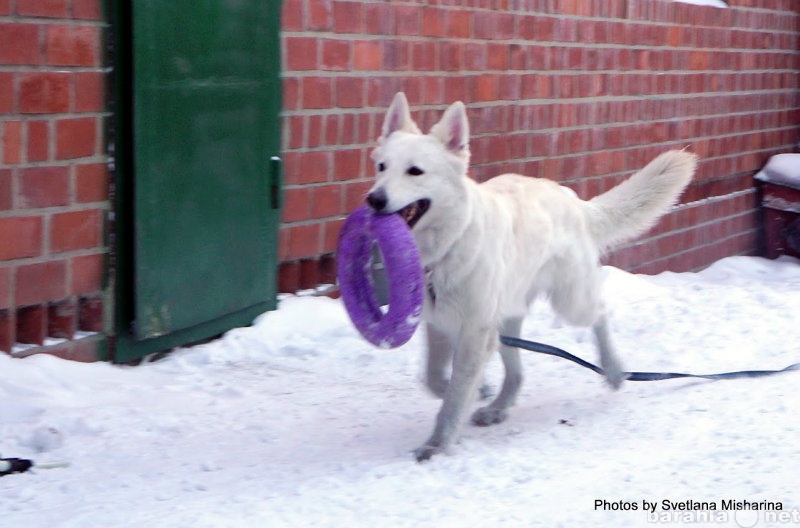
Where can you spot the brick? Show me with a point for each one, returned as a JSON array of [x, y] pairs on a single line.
[[434, 22], [330, 235], [5, 288], [309, 273], [31, 325], [378, 19], [21, 236], [87, 10], [8, 329], [320, 14], [283, 244], [12, 142], [327, 269], [5, 9], [408, 20], [356, 193], [486, 88], [347, 17], [43, 8], [19, 44], [292, 15], [317, 93], [327, 201], [89, 91], [301, 53], [335, 55], [304, 241], [424, 56], [76, 230], [450, 56], [288, 278], [367, 55], [349, 92], [314, 127], [348, 164], [308, 167], [38, 141], [87, 274], [91, 183], [296, 205], [43, 187], [61, 319], [6, 92], [90, 313], [6, 199], [291, 93], [42, 282], [43, 92], [396, 55], [75, 137], [72, 46], [456, 89], [459, 24]]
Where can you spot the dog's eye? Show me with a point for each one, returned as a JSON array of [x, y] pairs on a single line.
[[415, 171], [381, 167]]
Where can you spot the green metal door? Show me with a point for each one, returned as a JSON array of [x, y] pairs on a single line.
[[203, 173]]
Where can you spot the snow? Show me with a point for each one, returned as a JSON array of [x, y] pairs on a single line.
[[782, 169], [297, 421], [713, 3]]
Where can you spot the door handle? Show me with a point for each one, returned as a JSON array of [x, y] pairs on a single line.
[[276, 182]]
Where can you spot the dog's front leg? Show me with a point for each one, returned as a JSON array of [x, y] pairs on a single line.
[[471, 353], [439, 358], [440, 353]]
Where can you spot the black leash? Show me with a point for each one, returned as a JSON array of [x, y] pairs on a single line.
[[636, 376], [21, 465]]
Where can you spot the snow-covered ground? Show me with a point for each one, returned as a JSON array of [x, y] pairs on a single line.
[[298, 422]]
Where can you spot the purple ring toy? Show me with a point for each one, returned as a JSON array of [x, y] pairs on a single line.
[[361, 230]]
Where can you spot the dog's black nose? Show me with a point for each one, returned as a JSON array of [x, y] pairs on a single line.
[[377, 200]]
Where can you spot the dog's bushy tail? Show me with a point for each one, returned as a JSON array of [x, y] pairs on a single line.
[[632, 207]]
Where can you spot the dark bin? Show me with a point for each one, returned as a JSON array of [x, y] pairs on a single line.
[[780, 186]]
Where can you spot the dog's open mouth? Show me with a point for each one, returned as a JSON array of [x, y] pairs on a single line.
[[414, 211]]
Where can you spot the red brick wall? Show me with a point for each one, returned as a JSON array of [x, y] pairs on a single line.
[[53, 181], [580, 91]]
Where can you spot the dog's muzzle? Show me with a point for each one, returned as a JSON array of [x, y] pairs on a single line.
[[378, 200]]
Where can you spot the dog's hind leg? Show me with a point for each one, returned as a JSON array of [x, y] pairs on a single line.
[[576, 297], [608, 358], [497, 411]]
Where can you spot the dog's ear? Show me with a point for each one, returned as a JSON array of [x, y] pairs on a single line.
[[453, 129], [398, 117]]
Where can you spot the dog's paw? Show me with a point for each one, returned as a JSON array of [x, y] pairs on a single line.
[[486, 416], [425, 452], [615, 377], [613, 372]]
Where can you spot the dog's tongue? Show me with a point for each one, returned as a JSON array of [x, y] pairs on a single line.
[[408, 213]]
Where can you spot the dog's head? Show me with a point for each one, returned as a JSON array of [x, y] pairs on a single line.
[[416, 172]]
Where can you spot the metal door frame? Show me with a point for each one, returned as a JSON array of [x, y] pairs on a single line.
[[123, 347]]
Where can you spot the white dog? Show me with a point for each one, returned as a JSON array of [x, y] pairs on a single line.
[[490, 249]]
